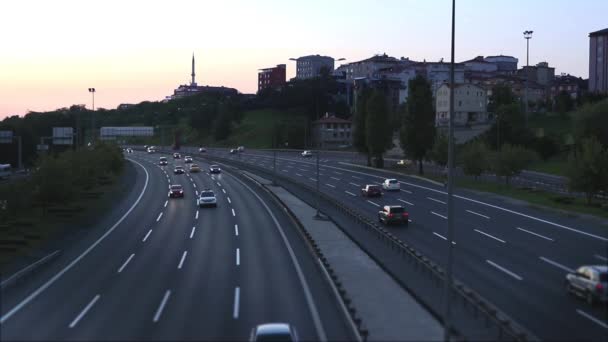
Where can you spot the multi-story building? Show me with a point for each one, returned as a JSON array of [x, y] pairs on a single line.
[[507, 65], [369, 68], [570, 84], [598, 61], [401, 74], [479, 65], [332, 132], [438, 73], [541, 73], [272, 77], [470, 105], [311, 66]]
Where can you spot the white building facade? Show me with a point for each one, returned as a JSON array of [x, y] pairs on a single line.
[[470, 105]]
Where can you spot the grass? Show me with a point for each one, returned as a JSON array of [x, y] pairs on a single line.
[[256, 128], [551, 123], [555, 165]]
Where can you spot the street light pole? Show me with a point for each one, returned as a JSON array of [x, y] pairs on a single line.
[[318, 197], [92, 91], [450, 233], [527, 36]]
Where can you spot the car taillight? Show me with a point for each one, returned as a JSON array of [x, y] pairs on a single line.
[[405, 215], [390, 215], [599, 287]]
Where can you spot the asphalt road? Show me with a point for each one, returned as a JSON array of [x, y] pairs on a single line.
[[164, 269], [513, 255]]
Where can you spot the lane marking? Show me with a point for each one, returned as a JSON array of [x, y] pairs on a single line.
[[505, 270], [312, 179], [223, 190], [350, 193], [218, 183], [406, 202], [353, 184], [335, 178], [236, 230], [443, 237], [194, 185], [406, 191], [556, 264], [237, 298], [228, 198], [478, 214], [374, 203], [593, 319], [166, 202], [192, 232], [355, 177], [284, 170], [338, 173], [299, 175], [181, 262], [443, 217], [125, 263], [146, 237], [331, 186], [536, 234], [84, 311], [196, 192], [196, 215], [159, 216], [159, 311], [238, 257], [233, 213], [597, 256], [490, 236], [436, 200]]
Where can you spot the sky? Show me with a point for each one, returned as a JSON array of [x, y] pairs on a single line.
[[130, 51]]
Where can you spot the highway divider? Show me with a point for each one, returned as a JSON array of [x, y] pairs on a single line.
[[28, 270]]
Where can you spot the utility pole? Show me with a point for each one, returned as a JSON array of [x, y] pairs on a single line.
[[93, 135], [527, 36], [318, 197], [20, 152]]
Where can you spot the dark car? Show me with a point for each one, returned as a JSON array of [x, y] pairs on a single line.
[[589, 282], [176, 190], [232, 151], [273, 332], [176, 156], [163, 161], [214, 169], [371, 191], [393, 214], [179, 170], [202, 149]]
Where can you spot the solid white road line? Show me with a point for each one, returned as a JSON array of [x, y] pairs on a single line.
[[558, 265], [406, 202], [166, 202], [331, 186], [406, 191], [335, 178], [490, 236], [233, 213], [159, 216], [223, 190], [228, 198], [443, 217], [84, 311], [350, 193], [236, 230], [353, 184], [196, 215], [181, 262], [436, 200], [238, 257], [443, 237], [505, 270], [374, 203], [600, 257], [159, 311], [478, 214], [536, 234], [237, 298], [125, 263], [192, 232], [593, 319], [146, 237]]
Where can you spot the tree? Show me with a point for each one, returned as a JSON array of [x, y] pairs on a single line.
[[418, 127], [378, 132], [439, 152], [563, 102], [509, 127], [501, 95], [475, 159], [587, 169], [359, 134], [511, 160], [223, 124], [547, 146], [591, 120]]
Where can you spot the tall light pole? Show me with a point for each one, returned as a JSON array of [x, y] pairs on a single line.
[[450, 237], [527, 36], [92, 91]]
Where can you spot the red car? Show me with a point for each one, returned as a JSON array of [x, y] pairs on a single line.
[[371, 191], [176, 190]]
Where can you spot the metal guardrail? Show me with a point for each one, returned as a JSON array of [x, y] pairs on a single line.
[[29, 269]]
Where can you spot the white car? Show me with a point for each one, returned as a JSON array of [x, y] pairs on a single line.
[[307, 154], [274, 332], [188, 159], [241, 149], [391, 184], [206, 199]]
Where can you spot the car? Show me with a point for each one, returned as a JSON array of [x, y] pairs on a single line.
[[178, 170], [214, 169], [307, 154], [240, 149], [163, 161], [145, 147], [202, 149], [195, 168], [393, 214], [151, 150], [232, 151], [129, 150], [273, 332], [206, 199], [371, 190], [176, 190], [176, 156], [589, 282], [187, 159], [391, 184]]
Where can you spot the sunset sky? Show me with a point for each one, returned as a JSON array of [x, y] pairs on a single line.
[[132, 51]]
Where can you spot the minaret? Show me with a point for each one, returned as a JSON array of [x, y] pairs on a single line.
[[193, 82]]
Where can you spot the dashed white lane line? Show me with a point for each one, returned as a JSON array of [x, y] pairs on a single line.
[[224, 190], [236, 230], [335, 178], [159, 216], [181, 262], [192, 232], [196, 192], [406, 191], [406, 202], [84, 311], [146, 237], [354, 184], [478, 214], [218, 183], [597, 256], [593, 319], [556, 264], [303, 170], [228, 198], [514, 275], [536, 234], [312, 179], [233, 213], [338, 173], [436, 200], [355, 177], [159, 311], [350, 193], [284, 170], [196, 215], [194, 185], [490, 236], [166, 202], [299, 175], [238, 257], [237, 298], [329, 185], [443, 237], [125, 263], [374, 203], [443, 217]]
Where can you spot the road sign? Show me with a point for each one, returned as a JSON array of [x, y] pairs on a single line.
[[63, 136], [110, 133], [6, 137]]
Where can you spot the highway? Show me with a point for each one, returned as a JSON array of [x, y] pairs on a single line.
[[513, 255], [164, 269]]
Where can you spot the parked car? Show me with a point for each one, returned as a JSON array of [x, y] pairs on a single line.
[[195, 168], [214, 169], [391, 184], [371, 190], [187, 159], [176, 190], [393, 214], [163, 161], [273, 332], [178, 170], [176, 156], [589, 282], [206, 199], [307, 154]]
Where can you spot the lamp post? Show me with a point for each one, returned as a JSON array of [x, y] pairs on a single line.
[[92, 91], [527, 36]]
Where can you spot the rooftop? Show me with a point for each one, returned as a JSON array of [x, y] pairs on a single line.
[[331, 119], [603, 32]]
